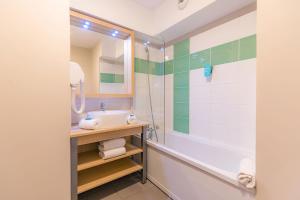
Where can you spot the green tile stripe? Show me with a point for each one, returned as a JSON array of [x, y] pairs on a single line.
[[154, 68], [199, 59], [182, 48], [119, 78], [169, 68], [181, 72], [181, 64], [247, 47], [111, 78], [241, 49], [225, 53], [181, 124]]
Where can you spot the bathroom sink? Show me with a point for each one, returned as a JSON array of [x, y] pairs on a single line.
[[110, 118]]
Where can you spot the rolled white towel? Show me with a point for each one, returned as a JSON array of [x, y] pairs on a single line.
[[112, 153], [111, 144], [246, 174], [89, 124]]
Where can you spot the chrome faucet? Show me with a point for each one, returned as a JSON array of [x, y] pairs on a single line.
[[102, 106]]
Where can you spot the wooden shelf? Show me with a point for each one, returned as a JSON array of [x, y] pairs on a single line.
[[96, 176], [77, 132], [91, 158], [112, 60]]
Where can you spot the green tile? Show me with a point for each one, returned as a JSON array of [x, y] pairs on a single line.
[[181, 95], [224, 53], [140, 66], [199, 59], [181, 124], [106, 78], [137, 65], [182, 48], [119, 78], [159, 69], [181, 79], [248, 47], [150, 67], [169, 67], [181, 64], [181, 109]]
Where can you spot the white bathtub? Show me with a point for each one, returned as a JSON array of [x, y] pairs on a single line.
[[187, 168]]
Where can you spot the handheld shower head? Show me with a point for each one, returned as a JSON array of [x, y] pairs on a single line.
[[146, 44], [147, 48]]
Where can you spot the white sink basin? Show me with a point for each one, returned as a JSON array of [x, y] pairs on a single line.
[[110, 118]]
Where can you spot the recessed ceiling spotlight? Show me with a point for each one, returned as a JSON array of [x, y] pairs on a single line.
[[87, 23], [116, 32], [85, 26], [114, 35]]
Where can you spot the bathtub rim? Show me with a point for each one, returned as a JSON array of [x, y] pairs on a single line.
[[220, 174]]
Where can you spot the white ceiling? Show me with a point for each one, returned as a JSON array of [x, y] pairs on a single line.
[[152, 4]]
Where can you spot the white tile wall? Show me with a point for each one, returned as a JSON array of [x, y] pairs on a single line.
[[223, 109], [141, 101], [113, 88], [169, 53]]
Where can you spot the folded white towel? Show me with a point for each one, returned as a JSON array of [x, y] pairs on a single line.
[[112, 153], [246, 174], [111, 144], [89, 124]]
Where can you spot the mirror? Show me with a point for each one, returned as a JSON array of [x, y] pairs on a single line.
[[105, 53]]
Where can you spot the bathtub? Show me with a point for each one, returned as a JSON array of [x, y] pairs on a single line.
[[187, 168]]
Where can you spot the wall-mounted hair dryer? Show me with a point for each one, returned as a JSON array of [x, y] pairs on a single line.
[[77, 80]]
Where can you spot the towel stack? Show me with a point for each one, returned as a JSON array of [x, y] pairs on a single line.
[[89, 124], [112, 148]]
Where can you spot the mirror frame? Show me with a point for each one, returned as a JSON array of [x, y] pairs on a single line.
[[80, 15]]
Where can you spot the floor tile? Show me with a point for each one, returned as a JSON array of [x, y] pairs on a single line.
[[126, 188]]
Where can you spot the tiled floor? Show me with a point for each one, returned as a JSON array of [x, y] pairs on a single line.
[[127, 188]]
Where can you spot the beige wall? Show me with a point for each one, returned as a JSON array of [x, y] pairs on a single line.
[[35, 100], [278, 100]]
